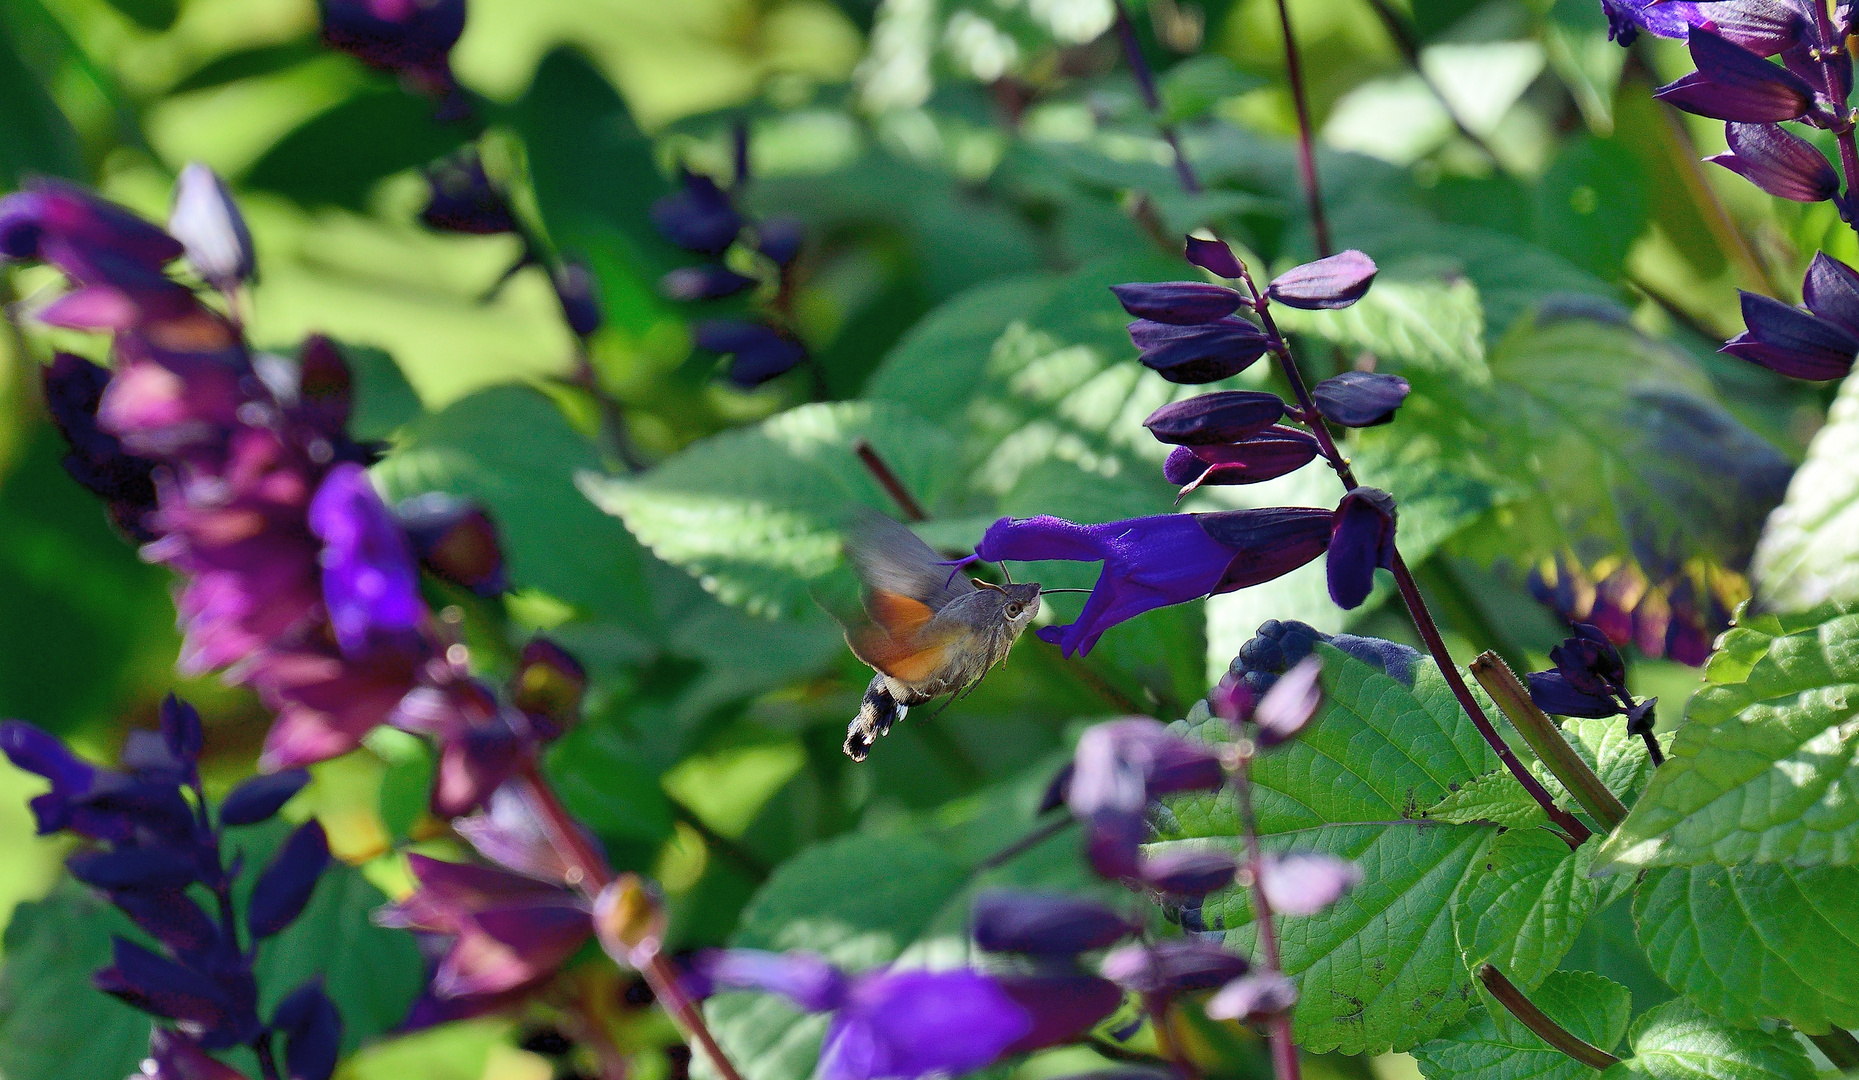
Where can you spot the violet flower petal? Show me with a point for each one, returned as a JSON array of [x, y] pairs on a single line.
[[1589, 662], [455, 540], [1063, 1007], [312, 1032], [1304, 884], [1198, 354], [1172, 966], [1039, 924], [760, 352], [370, 583], [808, 981], [713, 281], [1553, 694], [285, 887], [1779, 162], [1271, 453], [405, 37], [578, 293], [1732, 83], [1831, 291], [1360, 399], [1188, 873], [697, 217], [1291, 703], [1214, 257], [208, 223], [912, 1023], [173, 1056], [146, 868], [464, 199], [1791, 341], [1255, 997], [1333, 282], [1764, 27], [1183, 303], [261, 797], [171, 917], [161, 987], [1362, 541], [1224, 416]]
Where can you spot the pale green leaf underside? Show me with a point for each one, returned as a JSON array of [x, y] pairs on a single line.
[[1526, 906], [1762, 769], [1805, 557], [1677, 1041], [1491, 1046], [1757, 941]]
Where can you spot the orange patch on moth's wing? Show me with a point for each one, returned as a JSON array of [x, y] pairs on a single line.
[[893, 642]]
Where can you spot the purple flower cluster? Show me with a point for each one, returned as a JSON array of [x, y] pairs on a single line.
[[149, 838], [701, 218], [409, 38], [1187, 332], [1590, 679], [237, 471]]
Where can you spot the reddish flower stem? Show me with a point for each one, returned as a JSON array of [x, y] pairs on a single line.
[[1285, 1065], [881, 472], [1145, 82], [588, 872], [1306, 138], [1836, 93]]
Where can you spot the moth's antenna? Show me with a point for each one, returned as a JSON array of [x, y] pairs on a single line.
[[1044, 590], [1004, 571]]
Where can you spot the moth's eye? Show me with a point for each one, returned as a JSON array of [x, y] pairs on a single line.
[[1013, 611]]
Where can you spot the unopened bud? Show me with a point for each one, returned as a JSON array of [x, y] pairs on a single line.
[[208, 223], [548, 685], [629, 919]]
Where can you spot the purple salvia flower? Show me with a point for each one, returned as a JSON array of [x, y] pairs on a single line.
[[913, 1023], [1334, 282], [1290, 704], [1590, 663], [547, 687], [1173, 966], [326, 703], [1038, 924], [1118, 768], [1363, 541], [370, 582], [698, 216], [1188, 873], [412, 38], [578, 293], [482, 743], [508, 834], [1304, 884], [172, 918], [1153, 562], [139, 868], [1792, 342], [1779, 162], [1182, 303], [759, 352], [1831, 292], [206, 1009], [455, 541], [712, 281], [208, 223], [808, 981], [780, 238], [464, 199], [59, 223], [1214, 257], [1063, 1007], [1764, 27], [312, 1030], [1198, 354], [1665, 18], [1360, 399], [73, 390], [1225, 416], [1265, 456], [1553, 694], [1732, 83], [1255, 997]]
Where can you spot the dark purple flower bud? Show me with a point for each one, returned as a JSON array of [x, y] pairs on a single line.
[[1173, 966], [197, 1003], [1640, 718], [60, 223], [1057, 791], [698, 216], [780, 238], [73, 389], [760, 352], [370, 584], [145, 868], [1266, 456], [808, 981], [35, 751], [1779, 162], [1764, 27], [1335, 282], [1304, 884], [1198, 354], [1792, 342], [509, 931], [910, 1024], [1253, 998], [1732, 83], [1225, 416], [1038, 924], [1666, 18], [312, 1032], [181, 733], [712, 281], [455, 540], [1290, 704], [1117, 769], [407, 37], [1831, 291], [284, 889], [1360, 399], [1553, 694], [324, 388], [173, 1056], [1362, 541], [464, 198], [1589, 662], [579, 295], [548, 685], [1214, 257], [1152, 562], [1182, 303], [208, 223], [1063, 1007], [170, 917], [261, 797], [1188, 873]]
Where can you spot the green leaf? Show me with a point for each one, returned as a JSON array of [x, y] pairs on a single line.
[[1805, 557], [53, 1023], [1750, 942], [1528, 905], [511, 449], [384, 400], [322, 162], [846, 900], [1762, 768], [35, 136], [1380, 969], [755, 513], [1494, 797], [1676, 1041], [602, 782], [1195, 85], [1494, 1046], [154, 15]]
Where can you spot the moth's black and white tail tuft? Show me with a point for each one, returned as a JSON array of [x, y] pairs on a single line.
[[876, 713]]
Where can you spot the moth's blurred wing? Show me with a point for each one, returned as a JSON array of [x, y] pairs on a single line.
[[889, 558], [899, 640]]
